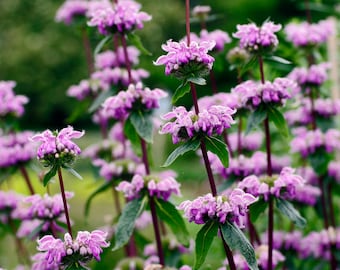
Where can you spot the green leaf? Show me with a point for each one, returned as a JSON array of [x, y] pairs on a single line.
[[204, 239], [249, 65], [33, 234], [236, 240], [78, 111], [99, 190], [136, 40], [73, 172], [181, 91], [319, 161], [278, 60], [275, 116], [126, 222], [168, 213], [75, 266], [191, 145], [219, 148], [99, 100], [257, 208], [287, 209], [101, 44], [197, 80], [256, 118], [142, 122], [131, 133], [52, 172]]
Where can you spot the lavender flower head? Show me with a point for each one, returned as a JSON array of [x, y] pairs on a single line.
[[201, 11], [11, 104], [111, 59], [309, 34], [162, 186], [185, 125], [58, 146], [282, 186], [231, 100], [134, 98], [71, 9], [81, 250], [124, 16], [9, 202], [223, 208], [255, 39], [253, 94], [185, 61], [220, 37]]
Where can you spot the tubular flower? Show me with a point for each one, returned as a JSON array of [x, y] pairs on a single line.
[[11, 104], [70, 9]]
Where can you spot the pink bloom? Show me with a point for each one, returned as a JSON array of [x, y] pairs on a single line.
[[71, 9], [9, 102]]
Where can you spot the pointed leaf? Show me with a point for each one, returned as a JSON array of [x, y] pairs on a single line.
[[191, 145], [204, 239], [256, 118], [275, 116], [48, 176], [219, 148], [143, 124], [136, 40], [131, 133], [76, 266], [34, 233], [73, 172], [99, 190], [287, 209], [257, 208], [101, 44], [249, 65], [319, 161], [126, 222], [236, 240], [99, 100], [278, 60], [181, 91], [197, 80], [168, 213]]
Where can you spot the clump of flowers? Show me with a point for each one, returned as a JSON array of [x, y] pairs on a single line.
[[231, 100], [306, 34], [9, 202], [185, 124], [256, 39], [134, 98], [124, 16], [220, 37], [283, 186], [185, 61], [253, 94], [110, 59], [11, 104], [56, 253], [222, 208], [71, 9], [161, 186], [58, 146]]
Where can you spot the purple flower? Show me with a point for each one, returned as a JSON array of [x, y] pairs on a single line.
[[199, 11], [254, 38], [120, 105], [110, 59], [261, 253], [186, 124], [9, 204], [58, 145], [237, 56], [184, 61], [9, 102], [305, 34], [223, 208], [83, 90], [161, 186], [70, 9], [253, 94], [231, 100], [123, 17]]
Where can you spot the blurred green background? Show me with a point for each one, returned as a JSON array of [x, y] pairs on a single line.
[[45, 57]]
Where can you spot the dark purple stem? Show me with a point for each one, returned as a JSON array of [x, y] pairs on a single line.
[[62, 189], [229, 254], [308, 13], [21, 251], [270, 232], [127, 60], [331, 206], [213, 82], [88, 52], [27, 179], [239, 136], [156, 230], [208, 168]]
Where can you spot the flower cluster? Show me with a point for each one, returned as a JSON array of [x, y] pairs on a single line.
[[201, 11], [223, 208], [309, 34], [58, 146], [71, 9], [314, 75], [186, 124], [307, 142], [56, 253], [11, 104], [110, 59], [220, 37], [9, 202], [16, 149], [253, 93], [255, 38], [184, 61], [134, 98], [284, 185], [231, 100], [161, 186], [122, 17]]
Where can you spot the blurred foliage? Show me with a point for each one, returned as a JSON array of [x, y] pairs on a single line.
[[45, 57]]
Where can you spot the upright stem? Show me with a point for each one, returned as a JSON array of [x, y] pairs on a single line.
[[88, 51], [194, 97], [22, 252], [27, 179], [213, 82], [187, 20], [62, 189], [270, 232], [331, 206], [239, 136], [229, 254], [308, 14], [127, 60], [208, 169]]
